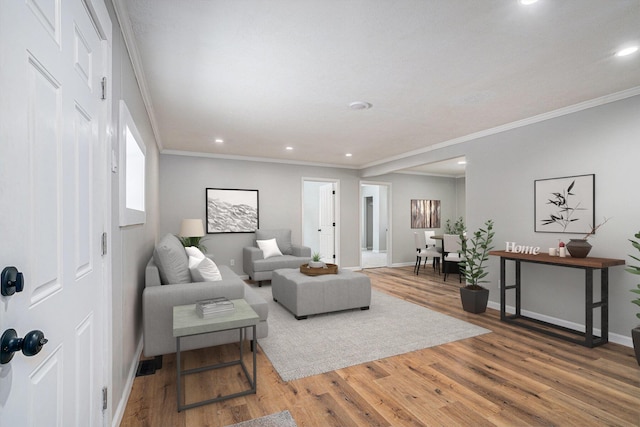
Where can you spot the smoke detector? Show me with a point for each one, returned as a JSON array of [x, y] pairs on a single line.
[[360, 105]]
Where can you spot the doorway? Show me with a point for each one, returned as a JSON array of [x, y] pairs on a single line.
[[375, 231], [320, 213], [368, 219]]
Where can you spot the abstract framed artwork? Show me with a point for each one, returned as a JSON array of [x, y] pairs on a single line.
[[231, 210], [564, 205], [425, 213]]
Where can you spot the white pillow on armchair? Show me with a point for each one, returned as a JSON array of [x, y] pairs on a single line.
[[269, 248]]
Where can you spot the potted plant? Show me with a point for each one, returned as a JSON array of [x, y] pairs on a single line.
[[456, 228], [192, 241], [475, 252], [316, 261], [634, 269]]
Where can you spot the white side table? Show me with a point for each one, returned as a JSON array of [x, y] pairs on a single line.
[[187, 323]]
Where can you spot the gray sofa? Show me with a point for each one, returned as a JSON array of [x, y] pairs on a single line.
[[258, 268], [168, 283]]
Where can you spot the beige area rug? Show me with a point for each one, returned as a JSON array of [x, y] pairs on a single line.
[[327, 342], [281, 419]]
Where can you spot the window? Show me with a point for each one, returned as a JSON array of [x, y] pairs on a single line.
[[132, 170]]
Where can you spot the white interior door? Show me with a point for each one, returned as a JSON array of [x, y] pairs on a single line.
[[327, 223], [375, 232], [52, 170]]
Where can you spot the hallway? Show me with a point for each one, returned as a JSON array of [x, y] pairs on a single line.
[[372, 259]]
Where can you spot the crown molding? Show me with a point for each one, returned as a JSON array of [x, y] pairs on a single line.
[[255, 159], [437, 175], [120, 7], [618, 96]]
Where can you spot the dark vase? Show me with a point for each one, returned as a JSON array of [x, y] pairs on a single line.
[[474, 300], [635, 336], [578, 248]]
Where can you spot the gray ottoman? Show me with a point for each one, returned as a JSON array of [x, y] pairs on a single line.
[[304, 295]]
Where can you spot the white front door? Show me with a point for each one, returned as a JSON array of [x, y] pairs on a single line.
[[327, 223], [53, 189]]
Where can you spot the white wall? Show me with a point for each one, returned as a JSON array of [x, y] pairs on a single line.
[[183, 181], [501, 170], [131, 246], [461, 197], [405, 188]]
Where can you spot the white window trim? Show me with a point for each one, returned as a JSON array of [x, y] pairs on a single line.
[[128, 215]]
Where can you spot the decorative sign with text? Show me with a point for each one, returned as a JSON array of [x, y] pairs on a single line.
[[521, 249]]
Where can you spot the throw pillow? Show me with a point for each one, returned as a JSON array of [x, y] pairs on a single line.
[[269, 248], [172, 260], [282, 236], [204, 270], [192, 251]]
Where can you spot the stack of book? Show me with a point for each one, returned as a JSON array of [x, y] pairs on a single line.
[[214, 307]]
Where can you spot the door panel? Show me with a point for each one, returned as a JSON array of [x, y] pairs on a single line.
[[82, 204], [85, 390], [43, 128], [45, 393]]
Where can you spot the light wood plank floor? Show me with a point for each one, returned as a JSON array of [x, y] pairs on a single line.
[[510, 377]]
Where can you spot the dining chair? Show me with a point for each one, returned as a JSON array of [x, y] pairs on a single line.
[[425, 252], [432, 245], [451, 248]]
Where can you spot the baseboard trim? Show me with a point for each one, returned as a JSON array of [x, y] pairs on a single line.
[[614, 338], [116, 420], [403, 264]]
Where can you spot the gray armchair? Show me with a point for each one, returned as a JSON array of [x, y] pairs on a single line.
[[258, 268]]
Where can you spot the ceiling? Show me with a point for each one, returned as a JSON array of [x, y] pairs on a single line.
[[265, 75]]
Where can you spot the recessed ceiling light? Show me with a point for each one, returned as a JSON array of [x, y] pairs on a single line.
[[219, 141], [627, 51], [348, 155], [527, 2], [360, 105], [462, 162], [289, 148]]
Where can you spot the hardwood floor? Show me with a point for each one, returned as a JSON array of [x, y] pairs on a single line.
[[509, 377]]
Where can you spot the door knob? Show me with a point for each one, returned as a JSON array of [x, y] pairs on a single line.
[[12, 281], [30, 345]]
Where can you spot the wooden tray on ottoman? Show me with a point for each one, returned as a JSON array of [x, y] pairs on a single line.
[[309, 271]]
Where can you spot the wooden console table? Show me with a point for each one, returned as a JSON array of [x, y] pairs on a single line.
[[588, 265]]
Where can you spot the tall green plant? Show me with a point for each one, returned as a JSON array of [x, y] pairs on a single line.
[[634, 269], [475, 252]]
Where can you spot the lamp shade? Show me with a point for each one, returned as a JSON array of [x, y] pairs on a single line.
[[191, 228]]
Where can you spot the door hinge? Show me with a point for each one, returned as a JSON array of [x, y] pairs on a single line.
[[334, 224], [104, 243], [333, 192], [103, 83], [105, 393]]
